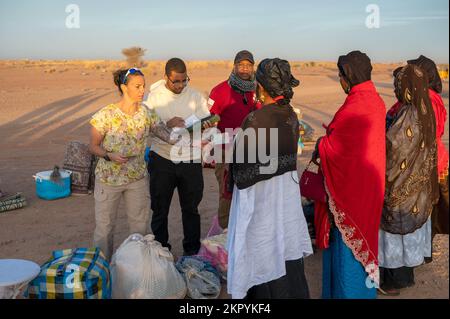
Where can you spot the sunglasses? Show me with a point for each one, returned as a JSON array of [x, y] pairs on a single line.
[[131, 71], [184, 82]]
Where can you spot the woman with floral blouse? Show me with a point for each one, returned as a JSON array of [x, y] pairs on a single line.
[[119, 134]]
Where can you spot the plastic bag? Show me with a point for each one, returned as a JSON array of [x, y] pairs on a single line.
[[215, 227], [213, 249], [202, 279], [306, 131], [142, 269]]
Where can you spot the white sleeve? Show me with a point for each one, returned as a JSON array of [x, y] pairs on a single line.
[[147, 102], [202, 109]]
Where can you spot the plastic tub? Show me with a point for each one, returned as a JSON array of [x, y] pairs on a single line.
[[50, 190]]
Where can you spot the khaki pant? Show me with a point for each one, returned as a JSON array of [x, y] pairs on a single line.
[[137, 206], [224, 204]]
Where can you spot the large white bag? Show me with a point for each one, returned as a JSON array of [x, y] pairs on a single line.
[[142, 269]]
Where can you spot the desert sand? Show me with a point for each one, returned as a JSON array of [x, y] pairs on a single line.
[[46, 104]]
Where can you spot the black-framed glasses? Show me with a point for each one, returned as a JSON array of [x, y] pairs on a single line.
[[131, 71], [178, 82]]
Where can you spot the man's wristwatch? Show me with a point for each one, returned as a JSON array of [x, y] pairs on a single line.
[[106, 157]]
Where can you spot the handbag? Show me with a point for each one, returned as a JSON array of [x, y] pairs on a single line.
[[312, 185]]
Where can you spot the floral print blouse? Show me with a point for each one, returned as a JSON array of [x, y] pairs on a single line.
[[127, 135]]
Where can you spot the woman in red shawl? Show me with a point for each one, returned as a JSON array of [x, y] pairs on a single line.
[[353, 160]]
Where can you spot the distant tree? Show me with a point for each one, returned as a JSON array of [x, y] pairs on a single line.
[[134, 56]]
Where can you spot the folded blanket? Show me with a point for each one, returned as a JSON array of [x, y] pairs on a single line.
[[11, 202]]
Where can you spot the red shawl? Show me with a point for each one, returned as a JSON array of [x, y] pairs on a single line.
[[394, 109], [441, 117], [353, 162]]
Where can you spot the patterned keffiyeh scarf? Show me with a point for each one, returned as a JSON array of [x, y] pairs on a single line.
[[242, 86]]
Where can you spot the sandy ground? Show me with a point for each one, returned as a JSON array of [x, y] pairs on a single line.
[[43, 109]]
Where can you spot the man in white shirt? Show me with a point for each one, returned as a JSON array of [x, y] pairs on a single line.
[[176, 166]]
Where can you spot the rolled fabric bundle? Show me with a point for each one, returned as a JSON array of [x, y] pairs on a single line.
[[8, 203]]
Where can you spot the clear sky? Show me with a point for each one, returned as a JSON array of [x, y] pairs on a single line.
[[209, 29]]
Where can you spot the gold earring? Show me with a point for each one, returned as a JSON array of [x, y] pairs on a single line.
[[262, 97]]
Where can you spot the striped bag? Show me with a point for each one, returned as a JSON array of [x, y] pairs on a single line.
[[12, 202], [81, 273]]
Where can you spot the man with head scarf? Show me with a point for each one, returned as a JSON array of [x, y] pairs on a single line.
[[232, 100], [268, 235], [411, 181], [440, 216], [352, 160]]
